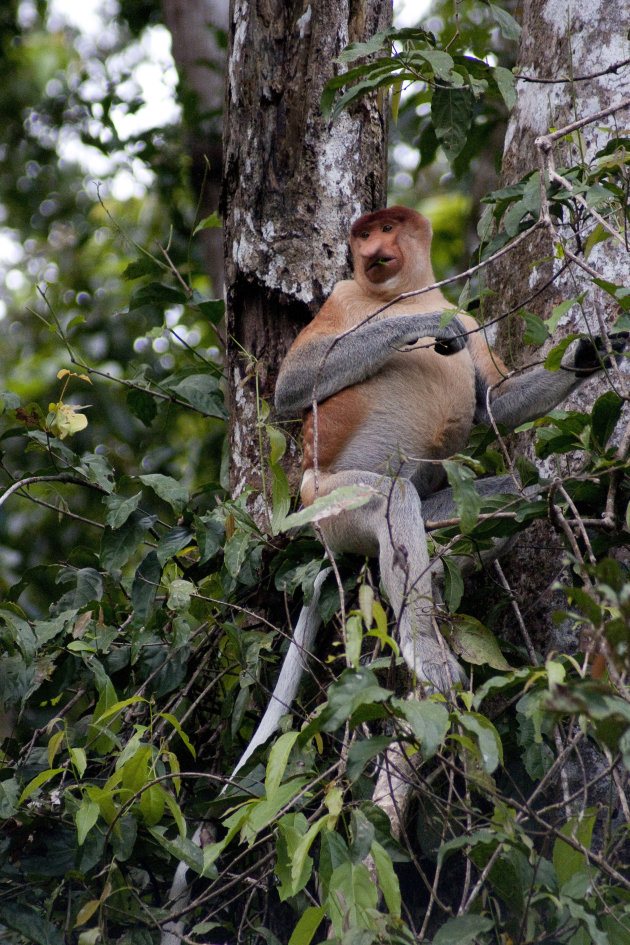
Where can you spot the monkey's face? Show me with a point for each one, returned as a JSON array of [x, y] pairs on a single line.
[[391, 249], [377, 253]]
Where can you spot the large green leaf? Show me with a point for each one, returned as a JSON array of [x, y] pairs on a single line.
[[452, 111]]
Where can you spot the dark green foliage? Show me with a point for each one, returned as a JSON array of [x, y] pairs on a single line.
[[144, 613]]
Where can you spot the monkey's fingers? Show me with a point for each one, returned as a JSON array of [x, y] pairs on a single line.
[[591, 354], [448, 346]]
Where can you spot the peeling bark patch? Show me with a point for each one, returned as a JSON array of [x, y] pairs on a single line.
[[303, 24]]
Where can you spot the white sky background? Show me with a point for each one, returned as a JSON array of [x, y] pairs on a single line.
[[153, 78], [154, 74]]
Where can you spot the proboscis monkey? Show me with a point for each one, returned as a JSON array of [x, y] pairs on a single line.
[[396, 393]]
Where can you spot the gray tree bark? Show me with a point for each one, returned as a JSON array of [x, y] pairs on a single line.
[[566, 63], [293, 182]]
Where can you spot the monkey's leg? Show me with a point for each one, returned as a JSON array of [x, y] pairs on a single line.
[[390, 525]]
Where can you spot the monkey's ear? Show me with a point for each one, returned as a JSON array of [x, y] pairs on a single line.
[[591, 355]]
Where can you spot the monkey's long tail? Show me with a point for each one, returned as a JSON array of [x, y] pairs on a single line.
[[279, 704]]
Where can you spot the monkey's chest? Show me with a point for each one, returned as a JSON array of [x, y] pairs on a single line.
[[420, 406]]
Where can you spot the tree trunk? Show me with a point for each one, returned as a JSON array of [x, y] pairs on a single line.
[[293, 182], [196, 28], [560, 42]]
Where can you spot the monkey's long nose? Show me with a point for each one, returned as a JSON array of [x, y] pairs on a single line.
[[371, 250]]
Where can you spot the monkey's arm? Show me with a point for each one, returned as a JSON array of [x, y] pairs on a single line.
[[535, 393], [322, 365]]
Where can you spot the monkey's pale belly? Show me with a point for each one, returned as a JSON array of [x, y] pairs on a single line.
[[417, 415], [383, 447]]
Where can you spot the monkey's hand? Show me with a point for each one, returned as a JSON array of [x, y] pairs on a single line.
[[448, 340], [448, 346], [590, 355]]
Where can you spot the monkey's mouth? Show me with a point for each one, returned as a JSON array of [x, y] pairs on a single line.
[[380, 261]]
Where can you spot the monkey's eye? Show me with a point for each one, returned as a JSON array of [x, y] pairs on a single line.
[[365, 234], [387, 228]]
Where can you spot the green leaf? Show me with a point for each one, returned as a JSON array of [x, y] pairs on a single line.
[[140, 267], [554, 358], [387, 879], [179, 594], [155, 293], [168, 489], [567, 861], [597, 235], [236, 551], [506, 84], [85, 913], [37, 782], [88, 588], [441, 63], [604, 416], [352, 893], [173, 542], [118, 545], [429, 722], [9, 793], [211, 222], [202, 392], [307, 925], [510, 29], [178, 817], [620, 293], [354, 688], [462, 481], [354, 638], [86, 817], [151, 804], [476, 644], [339, 500], [487, 737], [277, 444], [210, 535], [119, 508], [79, 760], [559, 311], [142, 405], [451, 112], [277, 764], [291, 829], [145, 587], [361, 752], [212, 309], [355, 51], [536, 332], [29, 922], [280, 497], [180, 731], [301, 867], [462, 930], [265, 811], [453, 583]]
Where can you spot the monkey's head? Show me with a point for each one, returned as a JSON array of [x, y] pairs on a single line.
[[391, 251]]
